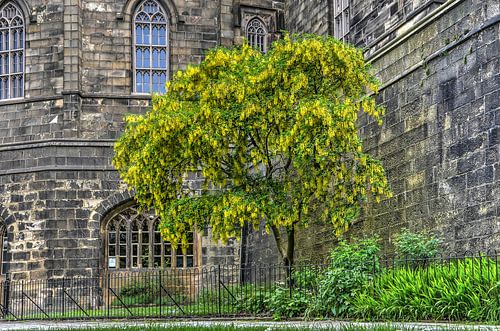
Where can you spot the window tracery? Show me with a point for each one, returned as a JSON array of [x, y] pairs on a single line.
[[257, 34], [133, 240], [11, 52], [341, 19], [151, 52], [4, 244]]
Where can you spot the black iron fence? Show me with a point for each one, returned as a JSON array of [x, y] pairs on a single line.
[[215, 291]]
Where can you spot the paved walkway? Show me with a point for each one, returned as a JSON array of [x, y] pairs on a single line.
[[297, 325]]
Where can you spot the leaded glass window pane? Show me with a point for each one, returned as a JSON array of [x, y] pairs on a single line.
[[145, 245], [256, 33], [11, 52], [134, 241], [150, 48], [341, 19]]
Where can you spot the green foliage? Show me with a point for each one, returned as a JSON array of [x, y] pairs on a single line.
[[252, 299], [139, 292], [274, 136], [351, 266], [252, 326], [283, 303], [416, 245], [307, 277], [253, 302], [146, 291], [458, 290]]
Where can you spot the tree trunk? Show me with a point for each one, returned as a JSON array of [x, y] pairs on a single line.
[[290, 247], [286, 252]]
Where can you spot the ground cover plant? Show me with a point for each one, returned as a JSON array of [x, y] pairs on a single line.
[[356, 283], [418, 286], [350, 269], [460, 290]]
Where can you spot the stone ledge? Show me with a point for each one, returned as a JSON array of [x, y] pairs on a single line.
[[420, 25], [56, 169], [58, 143]]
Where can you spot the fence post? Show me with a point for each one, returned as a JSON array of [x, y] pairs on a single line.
[[107, 280], [218, 291], [159, 288], [22, 299], [290, 280], [6, 294], [63, 297]]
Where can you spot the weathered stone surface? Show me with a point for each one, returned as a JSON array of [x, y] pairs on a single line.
[[439, 140], [56, 178]]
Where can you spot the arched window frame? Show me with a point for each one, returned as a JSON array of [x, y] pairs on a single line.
[[12, 51], [4, 245], [341, 17], [148, 16], [257, 34], [132, 240]]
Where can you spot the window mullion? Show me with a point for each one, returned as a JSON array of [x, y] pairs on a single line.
[[149, 14], [174, 258], [151, 243], [9, 68], [139, 249], [162, 253], [150, 58], [128, 247], [117, 246]]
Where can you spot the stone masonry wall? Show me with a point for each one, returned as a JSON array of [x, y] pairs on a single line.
[[309, 16], [56, 177], [439, 142]]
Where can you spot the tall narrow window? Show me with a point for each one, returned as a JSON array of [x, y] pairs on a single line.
[[256, 34], [134, 241], [5, 247], [341, 19], [11, 52], [150, 48]]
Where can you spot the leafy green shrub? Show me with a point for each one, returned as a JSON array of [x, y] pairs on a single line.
[[252, 299], [140, 287], [283, 303], [306, 277], [139, 292], [416, 246], [145, 291], [351, 266], [458, 290]]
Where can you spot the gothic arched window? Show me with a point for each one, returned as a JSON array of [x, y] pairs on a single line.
[[11, 52], [133, 240], [150, 48], [4, 245], [341, 19], [256, 33]]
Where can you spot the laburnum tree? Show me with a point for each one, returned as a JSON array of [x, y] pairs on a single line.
[[274, 136]]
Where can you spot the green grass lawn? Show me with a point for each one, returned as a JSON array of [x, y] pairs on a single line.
[[245, 328], [145, 311]]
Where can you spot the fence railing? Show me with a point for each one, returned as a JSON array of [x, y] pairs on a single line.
[[214, 291]]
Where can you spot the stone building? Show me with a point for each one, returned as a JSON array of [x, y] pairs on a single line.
[[438, 65], [81, 66], [70, 70]]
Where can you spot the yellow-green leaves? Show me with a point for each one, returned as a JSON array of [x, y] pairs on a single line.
[[270, 137]]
